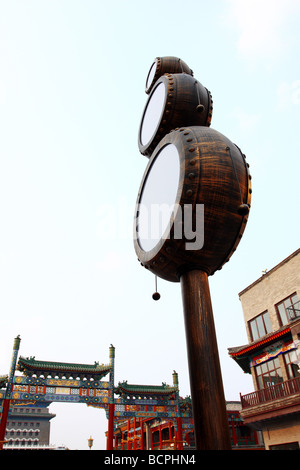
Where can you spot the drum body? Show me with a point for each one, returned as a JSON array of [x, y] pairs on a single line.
[[163, 65], [213, 177], [176, 100]]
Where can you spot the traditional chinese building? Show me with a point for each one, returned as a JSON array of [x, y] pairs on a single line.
[[31, 367], [272, 317], [167, 432], [135, 433], [28, 426], [28, 423]]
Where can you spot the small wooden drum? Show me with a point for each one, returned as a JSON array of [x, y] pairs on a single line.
[[194, 174], [163, 65], [176, 100]]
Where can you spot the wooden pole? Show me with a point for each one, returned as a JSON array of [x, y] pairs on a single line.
[[209, 409]]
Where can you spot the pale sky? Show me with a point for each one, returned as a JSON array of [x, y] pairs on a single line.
[[71, 98]]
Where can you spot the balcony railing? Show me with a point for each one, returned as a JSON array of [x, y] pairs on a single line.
[[293, 311], [281, 390]]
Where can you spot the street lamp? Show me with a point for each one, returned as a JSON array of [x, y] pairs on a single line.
[[90, 442]]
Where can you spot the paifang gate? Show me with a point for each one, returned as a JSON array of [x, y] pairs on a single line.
[[44, 381]]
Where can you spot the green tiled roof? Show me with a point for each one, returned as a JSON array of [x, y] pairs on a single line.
[[3, 380], [30, 363], [164, 389]]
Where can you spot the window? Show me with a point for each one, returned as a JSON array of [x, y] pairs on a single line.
[[291, 365], [288, 309], [269, 373], [260, 326], [287, 446]]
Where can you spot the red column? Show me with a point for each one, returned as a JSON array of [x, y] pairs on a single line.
[[129, 444], [134, 433], [111, 406], [142, 435], [160, 441], [179, 434], [170, 430], [234, 438], [8, 392], [151, 436], [5, 407], [110, 434]]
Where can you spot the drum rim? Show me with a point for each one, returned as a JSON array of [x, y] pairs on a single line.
[[174, 86], [164, 252]]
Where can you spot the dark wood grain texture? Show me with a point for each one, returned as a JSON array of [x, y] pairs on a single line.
[[213, 172], [209, 409], [163, 65], [187, 103]]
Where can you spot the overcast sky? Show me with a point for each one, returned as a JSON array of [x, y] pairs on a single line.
[[71, 98]]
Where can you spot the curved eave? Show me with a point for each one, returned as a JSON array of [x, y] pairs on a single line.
[[145, 390], [3, 381], [242, 354], [32, 365]]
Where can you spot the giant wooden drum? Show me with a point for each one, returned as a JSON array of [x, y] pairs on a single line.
[[176, 100], [203, 168], [163, 65]]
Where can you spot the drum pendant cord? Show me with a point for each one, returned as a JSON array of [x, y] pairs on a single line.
[[156, 295], [243, 209]]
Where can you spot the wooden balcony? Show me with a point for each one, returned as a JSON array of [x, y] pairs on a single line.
[[284, 389], [271, 402]]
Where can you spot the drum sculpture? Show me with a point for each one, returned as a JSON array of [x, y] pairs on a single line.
[[191, 212], [163, 65], [175, 100]]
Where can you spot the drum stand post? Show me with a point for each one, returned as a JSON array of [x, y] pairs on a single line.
[[209, 408]]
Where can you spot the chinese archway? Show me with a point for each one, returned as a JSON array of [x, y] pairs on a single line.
[[140, 417], [44, 381]]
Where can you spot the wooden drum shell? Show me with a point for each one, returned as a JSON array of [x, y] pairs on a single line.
[[165, 65], [213, 172], [187, 103]]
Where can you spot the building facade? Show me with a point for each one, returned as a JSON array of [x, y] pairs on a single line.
[[44, 382], [28, 426], [162, 434], [134, 429], [271, 311]]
